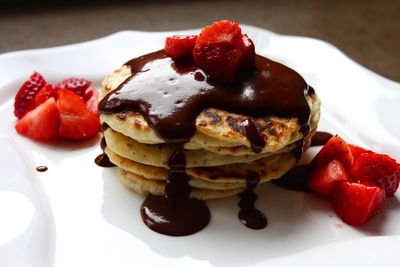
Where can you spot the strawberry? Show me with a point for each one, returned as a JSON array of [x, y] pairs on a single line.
[[217, 50], [335, 148], [76, 85], [26, 94], [219, 61], [41, 122], [91, 99], [356, 203], [357, 151], [224, 31], [45, 93], [248, 59], [76, 120], [323, 179], [378, 169], [177, 46]]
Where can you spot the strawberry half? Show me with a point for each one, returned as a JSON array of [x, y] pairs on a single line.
[[378, 169], [177, 46], [26, 94], [220, 61], [76, 85], [91, 99], [224, 31], [217, 50], [76, 120], [45, 93], [335, 148], [323, 179], [41, 122], [356, 203], [357, 151]]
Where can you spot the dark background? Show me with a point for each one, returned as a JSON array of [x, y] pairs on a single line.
[[367, 31]]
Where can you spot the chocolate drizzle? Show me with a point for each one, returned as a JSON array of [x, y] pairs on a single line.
[[41, 168], [171, 94], [320, 138], [248, 214], [168, 95]]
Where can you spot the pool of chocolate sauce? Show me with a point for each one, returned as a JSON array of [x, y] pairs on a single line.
[[171, 94]]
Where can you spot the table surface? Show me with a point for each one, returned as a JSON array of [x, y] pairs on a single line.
[[367, 31]]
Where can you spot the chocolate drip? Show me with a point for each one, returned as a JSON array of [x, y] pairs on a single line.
[[103, 160], [295, 179], [175, 214], [253, 135], [320, 138], [171, 94], [248, 214], [41, 168]]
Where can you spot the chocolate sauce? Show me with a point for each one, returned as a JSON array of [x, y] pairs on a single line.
[[168, 95], [248, 214], [295, 179], [320, 138], [103, 160], [253, 135], [171, 94], [175, 214], [174, 218], [41, 168]]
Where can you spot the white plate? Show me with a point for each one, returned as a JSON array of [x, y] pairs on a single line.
[[78, 214]]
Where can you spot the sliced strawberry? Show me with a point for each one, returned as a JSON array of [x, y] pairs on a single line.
[[357, 151], [45, 93], [248, 59], [76, 85], [224, 31], [220, 61], [76, 120], [26, 94], [356, 203], [323, 179], [378, 169], [41, 122], [335, 148], [91, 99], [217, 50], [177, 46]]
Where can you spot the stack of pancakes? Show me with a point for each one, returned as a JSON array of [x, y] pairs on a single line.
[[218, 157]]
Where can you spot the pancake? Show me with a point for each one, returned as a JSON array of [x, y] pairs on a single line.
[[145, 186], [158, 155], [216, 130], [221, 177]]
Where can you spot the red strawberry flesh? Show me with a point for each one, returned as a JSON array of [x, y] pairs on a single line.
[[356, 203], [41, 122], [76, 85], [178, 46], [323, 179], [378, 169], [26, 94], [76, 120], [335, 148]]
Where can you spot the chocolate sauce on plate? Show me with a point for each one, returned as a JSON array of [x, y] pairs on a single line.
[[248, 214], [41, 168], [171, 94], [103, 160], [295, 179], [320, 138]]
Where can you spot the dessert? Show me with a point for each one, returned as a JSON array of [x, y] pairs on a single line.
[[183, 127], [66, 110]]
